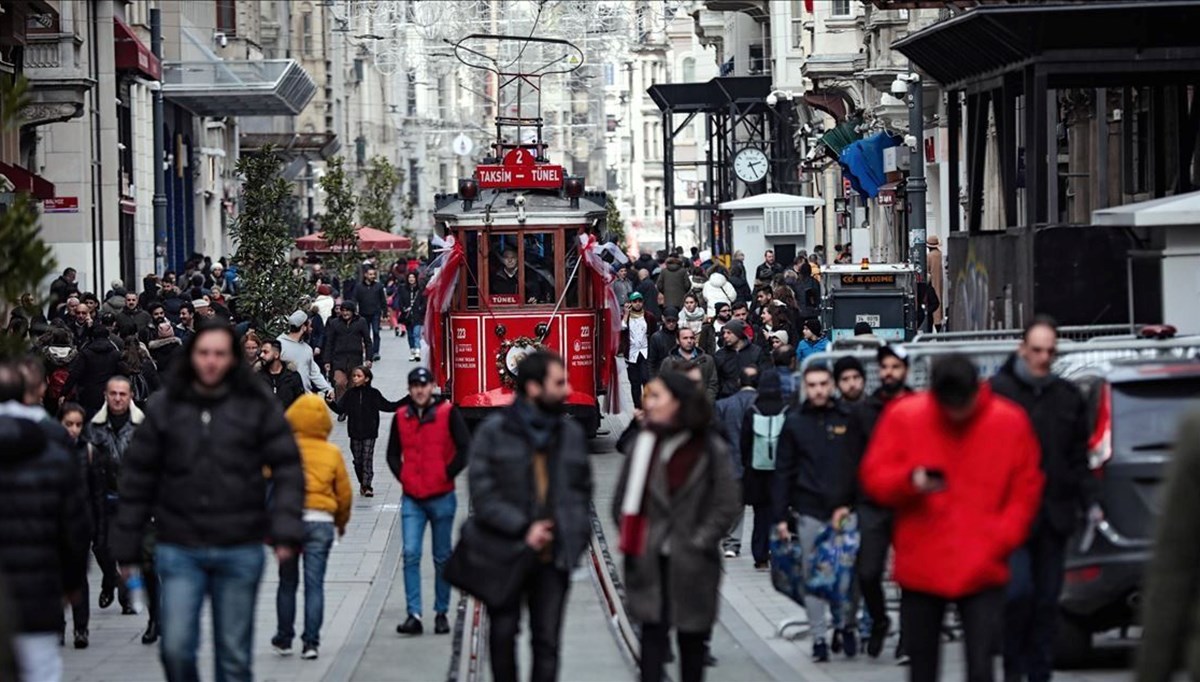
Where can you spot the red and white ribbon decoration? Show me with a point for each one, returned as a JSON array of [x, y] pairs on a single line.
[[439, 291], [602, 279]]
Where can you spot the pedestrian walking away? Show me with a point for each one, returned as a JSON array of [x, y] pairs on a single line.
[[427, 448], [762, 424], [1059, 416], [874, 521], [361, 404], [327, 498], [530, 478], [196, 464], [810, 447], [730, 413], [959, 468], [675, 500]]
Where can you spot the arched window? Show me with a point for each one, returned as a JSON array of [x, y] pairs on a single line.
[[689, 69]]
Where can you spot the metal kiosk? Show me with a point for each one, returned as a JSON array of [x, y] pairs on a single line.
[[882, 295]]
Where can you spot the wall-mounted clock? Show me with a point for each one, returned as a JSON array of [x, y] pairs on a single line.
[[751, 165]]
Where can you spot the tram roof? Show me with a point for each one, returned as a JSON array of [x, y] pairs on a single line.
[[541, 208]]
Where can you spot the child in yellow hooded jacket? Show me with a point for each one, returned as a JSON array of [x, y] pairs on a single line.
[[327, 498]]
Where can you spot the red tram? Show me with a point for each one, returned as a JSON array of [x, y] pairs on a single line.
[[522, 265]]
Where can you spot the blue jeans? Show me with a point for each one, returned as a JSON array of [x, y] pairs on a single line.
[[438, 512], [318, 538], [374, 322], [414, 336], [229, 576]]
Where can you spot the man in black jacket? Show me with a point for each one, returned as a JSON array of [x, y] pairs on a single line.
[[663, 341], [874, 522], [809, 452], [735, 355], [1059, 417], [530, 478], [347, 345], [371, 298], [196, 464], [43, 529], [132, 319], [283, 380]]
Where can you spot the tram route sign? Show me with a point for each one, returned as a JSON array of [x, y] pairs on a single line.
[[519, 171]]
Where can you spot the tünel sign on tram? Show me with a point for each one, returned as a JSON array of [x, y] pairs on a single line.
[[518, 171]]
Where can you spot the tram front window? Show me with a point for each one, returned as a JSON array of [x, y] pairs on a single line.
[[514, 259]]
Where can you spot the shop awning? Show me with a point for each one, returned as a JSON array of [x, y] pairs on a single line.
[[369, 239], [1174, 211], [132, 54], [862, 163], [27, 182], [271, 87]]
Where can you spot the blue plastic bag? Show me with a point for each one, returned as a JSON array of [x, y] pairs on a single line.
[[787, 567], [831, 565]]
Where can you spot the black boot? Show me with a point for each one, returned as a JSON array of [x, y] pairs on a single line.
[[412, 626], [81, 639], [150, 636]]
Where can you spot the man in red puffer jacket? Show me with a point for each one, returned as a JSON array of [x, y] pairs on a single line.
[[960, 467], [426, 450]]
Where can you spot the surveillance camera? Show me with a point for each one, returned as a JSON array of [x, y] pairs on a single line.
[[520, 200], [899, 86], [221, 39], [772, 100], [910, 141]]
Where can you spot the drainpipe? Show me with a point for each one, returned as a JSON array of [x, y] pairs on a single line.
[[160, 181], [916, 186]]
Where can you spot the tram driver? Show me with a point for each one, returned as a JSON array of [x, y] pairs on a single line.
[[505, 282]]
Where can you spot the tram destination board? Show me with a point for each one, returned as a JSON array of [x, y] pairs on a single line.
[[868, 279], [519, 171]]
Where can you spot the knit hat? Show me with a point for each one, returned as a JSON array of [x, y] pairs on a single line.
[[813, 325], [324, 290], [719, 306], [847, 364], [671, 313], [297, 319], [737, 327]]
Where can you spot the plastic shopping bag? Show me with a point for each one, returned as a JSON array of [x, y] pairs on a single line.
[[787, 567], [831, 564]]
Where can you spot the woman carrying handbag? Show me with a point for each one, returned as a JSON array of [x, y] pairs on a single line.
[[675, 500]]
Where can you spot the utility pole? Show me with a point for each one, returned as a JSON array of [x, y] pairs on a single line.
[[916, 187], [160, 181]]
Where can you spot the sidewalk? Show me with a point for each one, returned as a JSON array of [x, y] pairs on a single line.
[[356, 566]]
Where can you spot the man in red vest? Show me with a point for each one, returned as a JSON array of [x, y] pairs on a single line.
[[426, 450]]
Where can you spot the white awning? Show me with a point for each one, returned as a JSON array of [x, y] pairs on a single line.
[[1180, 210], [771, 200]]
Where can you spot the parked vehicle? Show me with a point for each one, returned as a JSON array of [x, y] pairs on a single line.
[[1135, 408]]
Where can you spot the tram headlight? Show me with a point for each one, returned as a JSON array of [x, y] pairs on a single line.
[[574, 187], [468, 189]]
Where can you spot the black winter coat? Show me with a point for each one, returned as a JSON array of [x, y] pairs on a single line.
[[810, 451], [196, 465], [411, 304], [362, 405], [730, 364], [863, 418], [97, 362], [661, 343], [43, 524], [287, 385], [1059, 416], [502, 482], [371, 298], [113, 443], [346, 343]]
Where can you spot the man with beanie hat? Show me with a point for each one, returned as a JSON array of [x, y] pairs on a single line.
[[874, 522], [735, 355], [813, 342], [851, 379], [299, 354], [663, 340], [711, 331], [347, 345]]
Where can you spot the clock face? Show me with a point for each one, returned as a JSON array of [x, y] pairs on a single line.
[[751, 165]]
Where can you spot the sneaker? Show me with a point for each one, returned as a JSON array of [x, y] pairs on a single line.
[[820, 651], [762, 566], [281, 646], [150, 636], [106, 597], [412, 626], [835, 645], [309, 653], [441, 625], [879, 632], [368, 492], [81, 639], [850, 642], [901, 655], [730, 554]]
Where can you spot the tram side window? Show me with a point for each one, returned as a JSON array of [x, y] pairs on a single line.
[[510, 255], [472, 263]]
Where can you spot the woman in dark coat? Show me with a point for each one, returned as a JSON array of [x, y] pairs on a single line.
[[412, 312], [756, 483], [675, 500]]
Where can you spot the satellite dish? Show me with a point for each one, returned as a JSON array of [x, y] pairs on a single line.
[[462, 145]]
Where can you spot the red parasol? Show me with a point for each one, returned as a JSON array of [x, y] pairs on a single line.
[[369, 239]]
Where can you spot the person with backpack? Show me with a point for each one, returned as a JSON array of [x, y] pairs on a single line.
[[730, 413], [761, 428], [362, 404], [137, 366], [98, 361]]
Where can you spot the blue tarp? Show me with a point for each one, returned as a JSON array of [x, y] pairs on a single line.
[[862, 162]]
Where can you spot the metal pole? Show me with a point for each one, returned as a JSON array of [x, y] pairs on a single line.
[[160, 181], [916, 177]]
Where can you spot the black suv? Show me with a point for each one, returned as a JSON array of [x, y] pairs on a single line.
[[1136, 410]]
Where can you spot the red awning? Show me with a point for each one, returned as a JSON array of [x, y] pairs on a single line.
[[28, 182], [369, 239], [132, 54]]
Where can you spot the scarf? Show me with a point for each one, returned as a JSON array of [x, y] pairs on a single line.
[[1039, 384], [693, 320], [634, 524]]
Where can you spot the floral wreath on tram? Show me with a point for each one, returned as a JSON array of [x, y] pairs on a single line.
[[512, 352]]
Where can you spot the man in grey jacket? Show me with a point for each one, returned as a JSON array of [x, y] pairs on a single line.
[[299, 354]]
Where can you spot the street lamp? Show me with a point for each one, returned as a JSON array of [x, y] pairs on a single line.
[[908, 86]]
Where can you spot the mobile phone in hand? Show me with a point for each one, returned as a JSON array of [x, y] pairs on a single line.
[[937, 478]]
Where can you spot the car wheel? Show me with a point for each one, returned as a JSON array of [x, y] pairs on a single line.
[[1072, 643]]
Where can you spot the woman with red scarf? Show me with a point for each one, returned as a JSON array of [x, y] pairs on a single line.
[[675, 500]]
